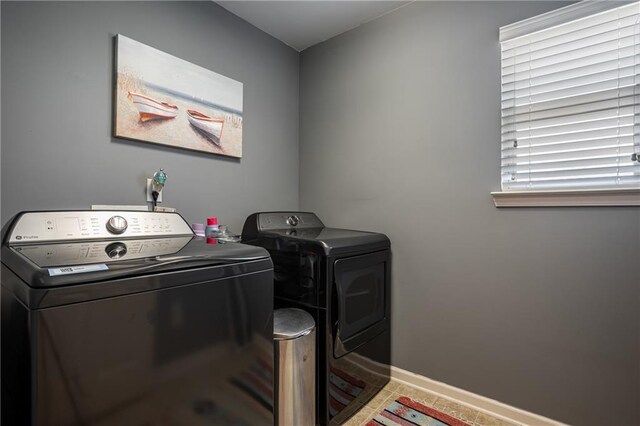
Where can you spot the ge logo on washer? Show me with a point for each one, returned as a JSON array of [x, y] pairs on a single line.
[[18, 237]]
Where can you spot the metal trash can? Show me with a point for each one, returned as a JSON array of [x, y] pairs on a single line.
[[294, 334]]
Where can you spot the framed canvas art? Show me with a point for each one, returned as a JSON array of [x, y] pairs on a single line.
[[165, 100]]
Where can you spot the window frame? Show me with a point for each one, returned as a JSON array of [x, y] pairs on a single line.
[[595, 197]]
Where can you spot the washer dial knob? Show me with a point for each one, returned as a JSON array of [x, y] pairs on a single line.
[[293, 220], [117, 224], [116, 250]]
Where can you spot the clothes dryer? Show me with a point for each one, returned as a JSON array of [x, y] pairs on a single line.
[[343, 279]]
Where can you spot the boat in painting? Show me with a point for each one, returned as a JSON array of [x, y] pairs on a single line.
[[211, 127], [151, 109]]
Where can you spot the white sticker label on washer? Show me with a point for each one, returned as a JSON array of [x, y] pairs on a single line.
[[77, 269]]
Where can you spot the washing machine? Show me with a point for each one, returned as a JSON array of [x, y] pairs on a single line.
[[127, 318], [343, 279]]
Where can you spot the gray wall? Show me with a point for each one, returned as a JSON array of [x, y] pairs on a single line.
[[57, 75], [400, 130], [538, 308]]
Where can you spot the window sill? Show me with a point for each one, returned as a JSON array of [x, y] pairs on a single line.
[[568, 198]]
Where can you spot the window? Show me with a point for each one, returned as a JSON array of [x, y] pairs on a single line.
[[571, 101]]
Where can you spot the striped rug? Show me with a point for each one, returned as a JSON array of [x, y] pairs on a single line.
[[257, 381], [343, 388], [406, 412]]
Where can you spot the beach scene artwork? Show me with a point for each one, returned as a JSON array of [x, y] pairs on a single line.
[[166, 100]]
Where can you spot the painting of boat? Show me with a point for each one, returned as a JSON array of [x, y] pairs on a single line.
[[151, 109], [164, 100], [211, 127]]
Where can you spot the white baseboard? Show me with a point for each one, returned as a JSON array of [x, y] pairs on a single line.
[[480, 403]]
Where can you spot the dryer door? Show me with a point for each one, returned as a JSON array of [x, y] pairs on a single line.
[[362, 290]]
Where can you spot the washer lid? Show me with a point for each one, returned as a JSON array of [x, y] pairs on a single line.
[[291, 323], [64, 264], [49, 249], [297, 231], [329, 241]]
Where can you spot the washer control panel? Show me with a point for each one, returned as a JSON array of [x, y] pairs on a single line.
[[34, 227]]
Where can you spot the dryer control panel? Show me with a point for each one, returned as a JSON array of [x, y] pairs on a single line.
[[36, 227], [284, 220]]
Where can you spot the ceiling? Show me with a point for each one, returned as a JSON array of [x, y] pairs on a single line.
[[303, 23]]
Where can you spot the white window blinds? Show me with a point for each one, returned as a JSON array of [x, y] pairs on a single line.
[[571, 100]]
